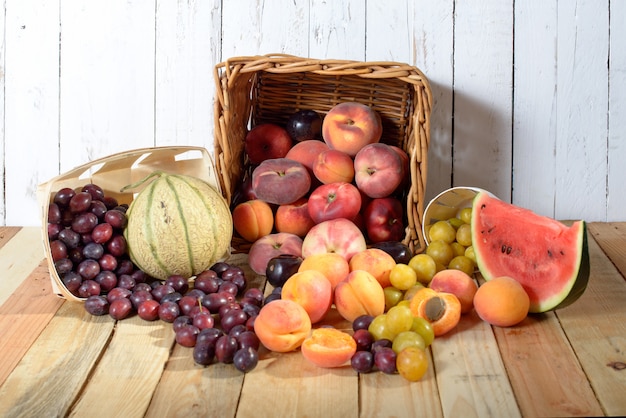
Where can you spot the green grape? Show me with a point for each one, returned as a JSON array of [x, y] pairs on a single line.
[[466, 215], [457, 249], [442, 231], [408, 339], [379, 330], [412, 363], [403, 276], [411, 292], [424, 266], [440, 251], [423, 328], [399, 319], [392, 296], [464, 235], [455, 222], [469, 253], [463, 263]]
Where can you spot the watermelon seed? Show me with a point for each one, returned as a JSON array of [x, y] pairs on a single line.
[[506, 249]]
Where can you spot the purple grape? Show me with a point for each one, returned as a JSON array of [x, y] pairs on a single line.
[[84, 223], [232, 318], [72, 281], [63, 196], [162, 290], [58, 250], [94, 191], [88, 269], [225, 349], [80, 202], [93, 251], [362, 361], [117, 219], [70, 238], [139, 296], [148, 310], [98, 208], [178, 283], [364, 339], [120, 308], [248, 339], [187, 335], [97, 305], [169, 311], [107, 280], [204, 353], [362, 322], [118, 293], [117, 245], [101, 233], [63, 266], [385, 360], [108, 262], [246, 359], [88, 288], [181, 321]]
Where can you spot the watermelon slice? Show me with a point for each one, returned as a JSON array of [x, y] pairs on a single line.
[[549, 259]]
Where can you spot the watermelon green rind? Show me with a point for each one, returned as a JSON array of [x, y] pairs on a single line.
[[549, 259]]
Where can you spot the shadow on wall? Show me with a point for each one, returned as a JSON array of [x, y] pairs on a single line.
[[470, 144]]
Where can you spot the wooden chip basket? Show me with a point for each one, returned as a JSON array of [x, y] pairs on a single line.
[[269, 88], [114, 172]]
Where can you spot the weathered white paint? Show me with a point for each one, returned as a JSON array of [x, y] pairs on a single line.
[[529, 96]]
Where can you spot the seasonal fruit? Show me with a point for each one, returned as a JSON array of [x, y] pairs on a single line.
[[458, 283], [294, 218], [502, 301], [442, 310], [339, 236], [349, 126], [329, 347], [333, 166], [359, 294], [312, 290], [383, 220], [334, 200], [253, 219], [548, 258], [280, 181], [281, 268], [376, 262], [306, 153], [304, 125], [177, 225], [332, 265], [270, 246], [400, 252], [282, 325], [267, 141], [378, 170]]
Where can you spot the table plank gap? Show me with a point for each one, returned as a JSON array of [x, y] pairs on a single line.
[[612, 239], [24, 315], [596, 328], [52, 373], [129, 370], [471, 377]]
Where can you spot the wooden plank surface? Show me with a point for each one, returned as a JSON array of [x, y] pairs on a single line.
[[611, 238]]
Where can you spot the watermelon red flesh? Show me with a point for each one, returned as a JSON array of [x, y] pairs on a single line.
[[548, 258]]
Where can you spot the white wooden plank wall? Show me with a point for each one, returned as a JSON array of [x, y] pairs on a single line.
[[530, 97]]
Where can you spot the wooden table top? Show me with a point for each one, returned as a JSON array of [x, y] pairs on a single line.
[[58, 360]]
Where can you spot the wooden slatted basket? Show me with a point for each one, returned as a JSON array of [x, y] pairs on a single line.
[[269, 88]]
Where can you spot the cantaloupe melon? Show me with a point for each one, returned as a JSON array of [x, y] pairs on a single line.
[[177, 224]]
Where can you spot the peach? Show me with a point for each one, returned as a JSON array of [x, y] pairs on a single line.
[[502, 301], [294, 218], [280, 181], [349, 126], [306, 152], [406, 167], [333, 166], [459, 284], [328, 347], [339, 236], [332, 265], [270, 246], [378, 170], [334, 200], [359, 294], [282, 325], [376, 262], [312, 290], [253, 219]]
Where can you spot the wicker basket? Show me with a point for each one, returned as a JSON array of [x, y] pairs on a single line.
[[114, 172], [258, 89]]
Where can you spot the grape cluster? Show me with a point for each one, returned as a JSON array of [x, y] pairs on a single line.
[[87, 245], [215, 316]]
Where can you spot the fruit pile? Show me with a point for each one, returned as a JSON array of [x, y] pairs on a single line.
[[327, 169]]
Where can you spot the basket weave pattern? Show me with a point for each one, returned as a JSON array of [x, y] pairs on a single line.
[[269, 88]]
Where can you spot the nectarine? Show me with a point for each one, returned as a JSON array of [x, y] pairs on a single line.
[[349, 126]]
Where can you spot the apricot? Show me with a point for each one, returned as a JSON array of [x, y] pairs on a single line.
[[502, 301], [441, 309], [294, 218], [359, 294], [312, 290], [306, 152], [332, 166], [458, 283], [253, 219], [282, 325], [328, 347], [332, 265], [376, 262]]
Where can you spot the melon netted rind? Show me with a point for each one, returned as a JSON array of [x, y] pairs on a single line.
[[547, 257], [178, 224]]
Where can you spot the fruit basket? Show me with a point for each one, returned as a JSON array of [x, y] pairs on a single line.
[[114, 172], [269, 88]]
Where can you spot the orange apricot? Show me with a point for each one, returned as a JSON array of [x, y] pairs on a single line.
[[441, 309], [328, 347], [376, 262], [359, 294], [253, 219], [332, 265], [312, 290], [502, 301], [282, 325]]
